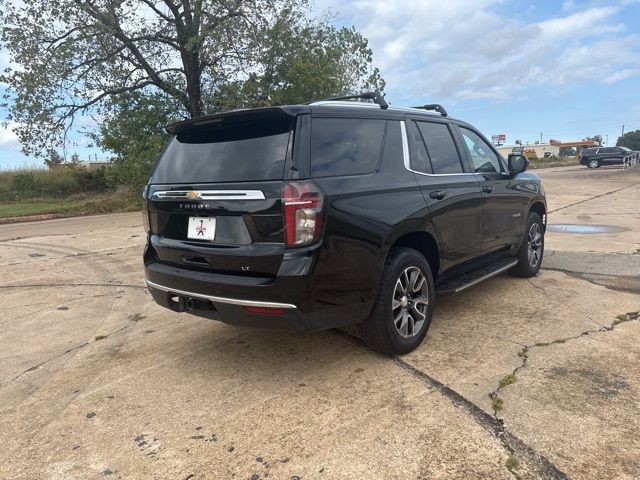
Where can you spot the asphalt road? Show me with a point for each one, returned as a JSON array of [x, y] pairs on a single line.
[[516, 379]]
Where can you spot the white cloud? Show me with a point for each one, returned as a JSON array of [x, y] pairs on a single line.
[[448, 49], [8, 139]]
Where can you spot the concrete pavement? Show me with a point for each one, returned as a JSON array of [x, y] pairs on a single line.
[[516, 379]]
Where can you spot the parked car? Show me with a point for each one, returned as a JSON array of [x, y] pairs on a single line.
[[322, 215], [595, 157]]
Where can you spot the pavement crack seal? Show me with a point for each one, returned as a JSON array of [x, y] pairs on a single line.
[[516, 448], [541, 466], [497, 403], [72, 349], [591, 198]]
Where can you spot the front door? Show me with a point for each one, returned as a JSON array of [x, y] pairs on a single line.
[[502, 201], [452, 195]]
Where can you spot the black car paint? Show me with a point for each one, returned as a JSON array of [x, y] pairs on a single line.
[[335, 281], [604, 155]]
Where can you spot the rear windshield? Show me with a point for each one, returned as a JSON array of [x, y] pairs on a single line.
[[248, 151]]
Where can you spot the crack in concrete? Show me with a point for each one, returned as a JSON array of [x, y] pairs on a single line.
[[59, 355], [39, 285], [585, 276], [106, 252], [543, 468], [523, 354], [591, 198]]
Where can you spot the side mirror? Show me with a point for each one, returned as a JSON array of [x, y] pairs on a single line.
[[517, 163]]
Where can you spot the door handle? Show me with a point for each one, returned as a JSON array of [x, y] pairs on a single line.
[[439, 195], [487, 189]]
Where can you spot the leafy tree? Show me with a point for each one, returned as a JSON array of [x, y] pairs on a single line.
[[595, 138], [134, 130], [630, 140], [568, 152], [80, 57], [53, 159]]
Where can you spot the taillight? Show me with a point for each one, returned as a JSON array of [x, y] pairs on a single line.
[[145, 211], [302, 205]]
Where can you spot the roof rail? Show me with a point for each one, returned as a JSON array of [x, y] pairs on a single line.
[[434, 106], [376, 97]]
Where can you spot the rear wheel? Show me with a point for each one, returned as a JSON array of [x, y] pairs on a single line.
[[402, 313], [593, 163], [532, 248]]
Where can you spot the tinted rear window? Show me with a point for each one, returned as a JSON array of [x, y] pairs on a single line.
[[240, 152], [441, 148], [345, 146]]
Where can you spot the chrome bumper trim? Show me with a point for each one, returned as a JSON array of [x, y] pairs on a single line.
[[232, 301]]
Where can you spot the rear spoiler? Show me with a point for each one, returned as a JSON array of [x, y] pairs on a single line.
[[242, 115]]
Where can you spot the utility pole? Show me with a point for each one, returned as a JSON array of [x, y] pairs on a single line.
[[623, 130], [606, 142], [540, 137]]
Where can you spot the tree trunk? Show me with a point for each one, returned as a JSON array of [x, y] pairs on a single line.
[[193, 73]]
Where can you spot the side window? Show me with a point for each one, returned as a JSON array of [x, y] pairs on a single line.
[[419, 157], [345, 146], [440, 148], [484, 159]]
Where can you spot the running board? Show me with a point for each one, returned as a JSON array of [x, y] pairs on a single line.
[[475, 277]]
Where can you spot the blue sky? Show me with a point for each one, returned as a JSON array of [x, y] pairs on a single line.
[[564, 69]]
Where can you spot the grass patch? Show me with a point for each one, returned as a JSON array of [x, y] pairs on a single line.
[[523, 353], [122, 200], [136, 317], [560, 340], [553, 162], [512, 462], [508, 380], [100, 337], [542, 344], [623, 317], [496, 403]]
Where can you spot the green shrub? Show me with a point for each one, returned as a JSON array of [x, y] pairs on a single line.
[[24, 183], [57, 182]]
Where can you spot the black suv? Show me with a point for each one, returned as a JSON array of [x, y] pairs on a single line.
[[334, 213], [594, 157]]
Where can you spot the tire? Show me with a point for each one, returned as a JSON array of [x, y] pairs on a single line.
[[593, 163], [531, 249], [403, 269]]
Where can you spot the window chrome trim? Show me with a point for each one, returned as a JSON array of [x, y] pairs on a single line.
[[212, 298], [406, 157], [209, 195]]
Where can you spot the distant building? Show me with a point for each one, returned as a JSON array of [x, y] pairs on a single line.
[[550, 149], [95, 165]]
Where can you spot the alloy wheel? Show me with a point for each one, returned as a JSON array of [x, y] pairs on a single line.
[[535, 245], [410, 302]]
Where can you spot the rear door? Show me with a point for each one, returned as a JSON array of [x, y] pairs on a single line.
[[502, 200], [452, 194], [215, 195]]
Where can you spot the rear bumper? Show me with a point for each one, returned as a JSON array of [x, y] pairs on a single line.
[[231, 310], [226, 298]]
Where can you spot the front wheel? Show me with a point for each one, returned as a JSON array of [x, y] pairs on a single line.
[[402, 313], [531, 250]]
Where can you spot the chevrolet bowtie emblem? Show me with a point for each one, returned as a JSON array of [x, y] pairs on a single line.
[[194, 195]]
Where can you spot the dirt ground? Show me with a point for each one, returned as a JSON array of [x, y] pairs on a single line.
[[517, 378]]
